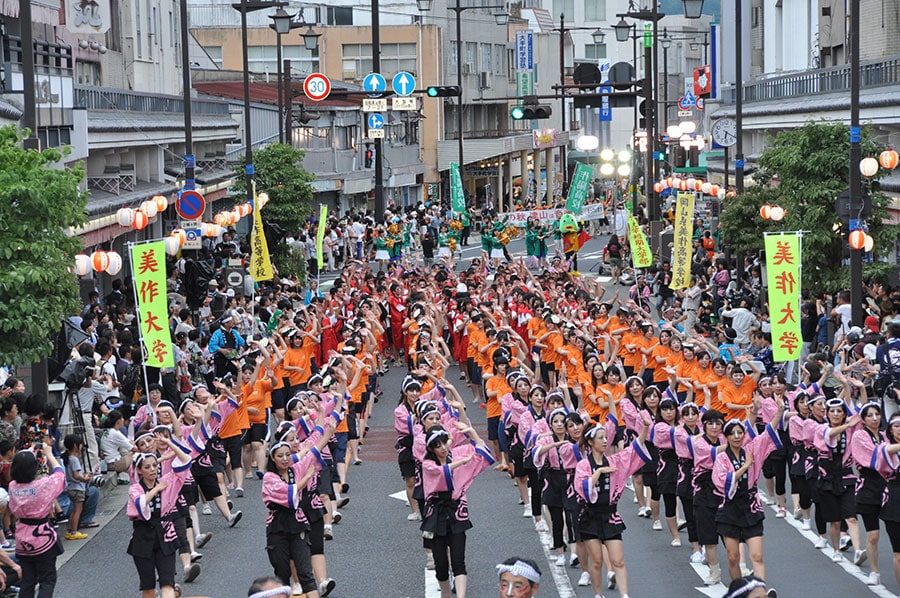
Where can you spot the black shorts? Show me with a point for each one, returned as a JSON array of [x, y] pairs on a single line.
[[707, 530], [742, 534], [207, 483], [474, 369], [836, 507], [589, 536], [893, 532], [147, 568], [233, 449], [546, 368], [352, 429], [407, 469], [317, 536], [493, 428], [190, 492], [256, 433], [870, 521], [279, 397]]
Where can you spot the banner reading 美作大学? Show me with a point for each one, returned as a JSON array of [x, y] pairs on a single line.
[[783, 280], [148, 269], [681, 241]]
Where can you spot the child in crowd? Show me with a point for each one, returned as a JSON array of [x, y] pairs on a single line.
[[81, 492]]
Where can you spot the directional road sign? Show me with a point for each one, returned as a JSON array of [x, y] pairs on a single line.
[[190, 205], [405, 104], [403, 83], [316, 86], [376, 121], [374, 105], [374, 83]]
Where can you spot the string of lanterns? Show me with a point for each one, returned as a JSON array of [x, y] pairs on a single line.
[[770, 212], [888, 159], [692, 184], [99, 261]]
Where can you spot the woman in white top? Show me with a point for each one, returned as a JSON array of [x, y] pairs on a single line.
[[115, 448]]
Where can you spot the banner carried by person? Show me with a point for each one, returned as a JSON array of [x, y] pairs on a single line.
[[457, 197], [681, 243], [320, 236], [578, 188], [592, 211], [783, 281], [641, 255], [260, 263], [148, 269]]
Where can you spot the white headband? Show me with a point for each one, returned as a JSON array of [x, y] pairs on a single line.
[[751, 584], [282, 591], [277, 446], [520, 569], [437, 435]]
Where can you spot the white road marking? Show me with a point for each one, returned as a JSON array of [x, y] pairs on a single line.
[[401, 496], [564, 587], [432, 588]]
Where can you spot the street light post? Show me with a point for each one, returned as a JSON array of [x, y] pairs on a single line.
[[739, 97], [282, 23], [856, 289], [189, 159], [666, 42]]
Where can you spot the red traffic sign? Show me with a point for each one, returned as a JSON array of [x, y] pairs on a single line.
[[316, 86], [190, 205]]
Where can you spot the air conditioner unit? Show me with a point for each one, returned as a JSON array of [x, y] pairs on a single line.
[[468, 68], [486, 80]]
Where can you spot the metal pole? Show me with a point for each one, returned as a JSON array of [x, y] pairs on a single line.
[[649, 174], [248, 138], [665, 89], [562, 95], [459, 103], [189, 160], [288, 103], [29, 113], [635, 147], [739, 99], [379, 157], [856, 201], [653, 209], [280, 91]]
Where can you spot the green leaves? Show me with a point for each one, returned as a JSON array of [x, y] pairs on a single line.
[[38, 202]]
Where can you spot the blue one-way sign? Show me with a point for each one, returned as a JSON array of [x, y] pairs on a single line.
[[374, 83], [376, 121], [403, 83]]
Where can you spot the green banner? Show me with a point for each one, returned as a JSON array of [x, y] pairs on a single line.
[[648, 35], [320, 236], [457, 197], [641, 255], [578, 188], [783, 280], [148, 269], [681, 241]]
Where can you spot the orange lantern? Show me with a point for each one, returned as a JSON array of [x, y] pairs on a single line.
[[888, 159], [868, 166], [857, 239], [765, 211], [180, 235], [249, 205], [670, 182], [125, 216], [140, 220], [99, 261], [219, 219], [658, 187], [82, 264], [161, 202], [115, 263], [236, 216]]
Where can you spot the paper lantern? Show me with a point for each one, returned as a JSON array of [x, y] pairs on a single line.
[[682, 185], [721, 193], [161, 202], [82, 264], [888, 159], [765, 211], [690, 182], [149, 208], [776, 213], [706, 188], [249, 207], [140, 220], [99, 261], [236, 216], [670, 181], [171, 245], [658, 187], [857, 239], [869, 244], [868, 166], [180, 235], [125, 216], [698, 184], [714, 190], [115, 263], [263, 198]]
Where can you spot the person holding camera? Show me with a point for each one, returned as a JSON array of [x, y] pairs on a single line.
[[887, 356]]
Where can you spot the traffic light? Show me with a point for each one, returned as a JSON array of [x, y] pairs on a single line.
[[443, 91], [531, 112], [370, 157]]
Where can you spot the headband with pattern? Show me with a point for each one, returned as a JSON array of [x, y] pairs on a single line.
[[520, 569]]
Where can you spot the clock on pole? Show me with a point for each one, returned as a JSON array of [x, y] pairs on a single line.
[[724, 132]]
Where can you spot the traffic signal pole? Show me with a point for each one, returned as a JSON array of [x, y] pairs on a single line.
[[379, 158]]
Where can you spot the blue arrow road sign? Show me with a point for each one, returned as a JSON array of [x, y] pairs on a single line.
[[403, 83], [605, 110], [374, 83], [376, 121]]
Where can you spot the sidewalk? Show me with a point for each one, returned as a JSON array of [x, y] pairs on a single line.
[[112, 501]]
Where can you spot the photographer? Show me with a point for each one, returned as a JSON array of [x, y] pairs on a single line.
[[95, 388], [887, 357]]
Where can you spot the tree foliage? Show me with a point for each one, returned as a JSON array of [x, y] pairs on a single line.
[[37, 288], [812, 167]]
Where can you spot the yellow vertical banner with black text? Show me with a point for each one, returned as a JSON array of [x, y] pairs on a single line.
[[681, 242], [260, 263], [641, 255], [783, 281], [148, 269], [320, 236]]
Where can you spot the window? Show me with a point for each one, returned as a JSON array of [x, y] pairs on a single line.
[[471, 53], [264, 59], [499, 56], [595, 51], [114, 34], [357, 60], [453, 54], [564, 7], [138, 39], [337, 15], [594, 10], [87, 73], [215, 54], [486, 59], [151, 31]]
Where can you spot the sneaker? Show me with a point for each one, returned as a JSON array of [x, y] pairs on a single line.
[[585, 579], [336, 517], [259, 475], [239, 492], [644, 512], [414, 517], [561, 560], [821, 543], [682, 525], [328, 533], [229, 504], [205, 509], [781, 513], [123, 480], [837, 557], [846, 543], [746, 571], [715, 575], [196, 556], [697, 557], [657, 525], [540, 526], [859, 557], [798, 513], [343, 501], [297, 590], [8, 546], [611, 580], [429, 562], [873, 579], [76, 535], [770, 500], [200, 540], [676, 543], [527, 511], [326, 587], [573, 560], [771, 593], [191, 573], [805, 526], [235, 517]]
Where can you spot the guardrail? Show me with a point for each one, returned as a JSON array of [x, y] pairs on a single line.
[[100, 98]]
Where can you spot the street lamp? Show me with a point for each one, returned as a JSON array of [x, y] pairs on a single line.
[[622, 29], [501, 18], [282, 23], [692, 8]]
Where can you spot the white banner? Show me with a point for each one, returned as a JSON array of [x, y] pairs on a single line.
[[593, 211]]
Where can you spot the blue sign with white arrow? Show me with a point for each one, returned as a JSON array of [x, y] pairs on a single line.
[[376, 121], [605, 110], [374, 83], [403, 83]]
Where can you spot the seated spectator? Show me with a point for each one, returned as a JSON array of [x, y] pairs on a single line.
[[115, 448]]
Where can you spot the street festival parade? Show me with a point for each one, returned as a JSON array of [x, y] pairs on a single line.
[[448, 298]]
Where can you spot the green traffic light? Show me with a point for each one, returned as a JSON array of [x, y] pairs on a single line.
[[517, 113], [432, 92]]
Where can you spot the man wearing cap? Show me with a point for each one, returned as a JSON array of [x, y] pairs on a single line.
[[224, 345]]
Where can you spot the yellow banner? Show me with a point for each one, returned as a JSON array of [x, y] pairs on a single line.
[[641, 255], [260, 264], [320, 235], [681, 245], [783, 280], [148, 269]]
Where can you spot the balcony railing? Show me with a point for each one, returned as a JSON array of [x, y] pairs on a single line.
[[94, 98], [835, 79]]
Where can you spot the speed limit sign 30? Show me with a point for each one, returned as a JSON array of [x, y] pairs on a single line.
[[316, 86]]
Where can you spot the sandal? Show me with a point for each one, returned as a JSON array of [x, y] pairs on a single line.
[[90, 525]]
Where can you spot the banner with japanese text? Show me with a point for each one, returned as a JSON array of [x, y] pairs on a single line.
[[783, 281], [260, 263], [578, 189], [681, 242], [640, 248], [457, 197], [148, 269], [320, 236]]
